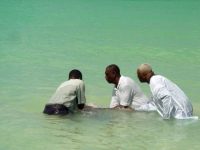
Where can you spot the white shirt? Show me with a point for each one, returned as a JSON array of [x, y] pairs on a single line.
[[69, 93], [169, 99], [128, 93]]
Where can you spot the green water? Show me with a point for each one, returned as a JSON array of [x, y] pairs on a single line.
[[41, 41]]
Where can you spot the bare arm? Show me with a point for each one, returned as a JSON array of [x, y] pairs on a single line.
[[126, 108]]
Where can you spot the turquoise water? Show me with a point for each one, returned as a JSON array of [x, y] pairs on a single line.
[[41, 41]]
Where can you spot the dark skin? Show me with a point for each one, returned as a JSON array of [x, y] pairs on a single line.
[[113, 77]]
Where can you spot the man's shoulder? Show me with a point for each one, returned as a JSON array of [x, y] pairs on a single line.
[[75, 81], [158, 81], [157, 78], [126, 81], [71, 82]]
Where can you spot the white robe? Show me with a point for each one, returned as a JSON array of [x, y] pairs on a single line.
[[169, 99]]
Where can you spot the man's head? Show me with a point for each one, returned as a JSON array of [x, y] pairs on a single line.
[[144, 73], [112, 74], [75, 74]]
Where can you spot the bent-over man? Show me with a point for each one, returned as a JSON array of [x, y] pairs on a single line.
[[126, 92], [169, 99], [69, 96]]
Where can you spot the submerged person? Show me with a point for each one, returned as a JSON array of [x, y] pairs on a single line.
[[126, 93], [69, 96], [169, 99]]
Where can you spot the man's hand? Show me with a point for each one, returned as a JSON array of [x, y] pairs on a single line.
[[126, 108]]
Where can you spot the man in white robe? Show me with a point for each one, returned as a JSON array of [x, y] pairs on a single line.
[[169, 99]]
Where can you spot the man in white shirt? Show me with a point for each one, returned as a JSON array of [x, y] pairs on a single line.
[[126, 93], [69, 96], [169, 99]]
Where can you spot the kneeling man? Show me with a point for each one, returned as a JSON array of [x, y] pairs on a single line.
[[126, 92], [169, 99], [69, 96]]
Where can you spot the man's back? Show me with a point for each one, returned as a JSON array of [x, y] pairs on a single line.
[[68, 92], [69, 96], [164, 89], [128, 93]]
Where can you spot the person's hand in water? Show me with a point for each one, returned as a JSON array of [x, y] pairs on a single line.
[[125, 108], [89, 107]]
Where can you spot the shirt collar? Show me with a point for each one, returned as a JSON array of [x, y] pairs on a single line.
[[120, 81]]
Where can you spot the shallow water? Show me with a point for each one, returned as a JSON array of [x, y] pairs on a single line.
[[41, 41]]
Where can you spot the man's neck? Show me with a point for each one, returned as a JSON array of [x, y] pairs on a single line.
[[117, 80], [150, 78]]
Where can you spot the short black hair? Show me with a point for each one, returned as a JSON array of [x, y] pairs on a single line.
[[75, 74], [114, 67]]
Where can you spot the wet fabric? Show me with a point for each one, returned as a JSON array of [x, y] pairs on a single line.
[[70, 93], [56, 109], [169, 99], [128, 93]]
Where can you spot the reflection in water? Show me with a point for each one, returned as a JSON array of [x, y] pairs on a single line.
[[100, 129], [113, 129]]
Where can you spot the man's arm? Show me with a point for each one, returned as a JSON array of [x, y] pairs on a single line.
[[114, 100], [164, 103], [126, 96], [81, 95], [122, 98], [126, 108]]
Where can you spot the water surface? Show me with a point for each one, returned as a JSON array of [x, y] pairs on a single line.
[[41, 41]]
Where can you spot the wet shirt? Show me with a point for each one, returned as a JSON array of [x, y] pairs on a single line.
[[69, 93], [169, 99], [128, 93]]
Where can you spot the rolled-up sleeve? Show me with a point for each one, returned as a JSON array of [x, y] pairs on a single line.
[[81, 93]]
